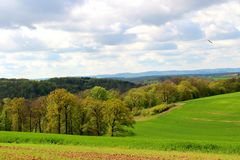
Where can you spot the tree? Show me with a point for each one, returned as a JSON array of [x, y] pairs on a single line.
[[80, 116], [135, 99], [149, 94], [30, 89], [113, 94], [202, 86], [232, 85], [39, 109], [167, 92], [29, 113], [217, 87], [18, 108], [186, 91], [95, 111], [5, 117], [99, 93], [60, 102], [117, 115]]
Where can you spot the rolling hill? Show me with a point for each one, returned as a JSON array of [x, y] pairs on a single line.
[[209, 124]]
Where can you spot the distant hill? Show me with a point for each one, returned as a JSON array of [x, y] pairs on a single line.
[[171, 73], [35, 88], [153, 79]]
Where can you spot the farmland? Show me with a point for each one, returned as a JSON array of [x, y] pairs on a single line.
[[33, 151], [206, 125]]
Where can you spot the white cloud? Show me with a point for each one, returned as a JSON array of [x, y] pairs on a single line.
[[79, 38]]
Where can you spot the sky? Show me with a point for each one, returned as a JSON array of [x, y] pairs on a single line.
[[57, 38]]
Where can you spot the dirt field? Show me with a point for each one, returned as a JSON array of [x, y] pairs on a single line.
[[42, 152]]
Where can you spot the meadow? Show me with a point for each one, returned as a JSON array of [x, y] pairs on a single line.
[[204, 126]]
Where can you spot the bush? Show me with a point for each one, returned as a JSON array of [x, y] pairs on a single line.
[[157, 109]]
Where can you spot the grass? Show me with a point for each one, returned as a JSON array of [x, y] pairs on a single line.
[[224, 77], [210, 125]]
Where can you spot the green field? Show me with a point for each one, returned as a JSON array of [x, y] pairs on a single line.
[[209, 125], [224, 77]]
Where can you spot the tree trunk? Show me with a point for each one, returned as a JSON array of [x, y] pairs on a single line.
[[59, 123], [66, 121], [81, 125], [98, 125], [39, 125], [19, 122], [112, 127], [30, 121], [71, 126], [112, 130], [6, 121]]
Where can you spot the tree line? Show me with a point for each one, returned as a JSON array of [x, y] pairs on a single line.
[[93, 112], [177, 89], [35, 88], [99, 111]]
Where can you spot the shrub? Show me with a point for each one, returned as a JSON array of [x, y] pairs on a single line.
[[157, 109]]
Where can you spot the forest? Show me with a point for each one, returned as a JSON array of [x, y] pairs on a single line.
[[94, 109], [34, 88]]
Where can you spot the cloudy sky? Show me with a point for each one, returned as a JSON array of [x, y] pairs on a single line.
[[50, 38]]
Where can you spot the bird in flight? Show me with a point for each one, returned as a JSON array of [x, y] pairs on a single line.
[[210, 41]]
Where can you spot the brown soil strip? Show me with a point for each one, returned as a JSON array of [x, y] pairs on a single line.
[[106, 156], [89, 155], [13, 156], [210, 120], [15, 148]]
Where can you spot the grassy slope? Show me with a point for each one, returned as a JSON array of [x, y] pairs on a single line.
[[210, 119], [210, 125]]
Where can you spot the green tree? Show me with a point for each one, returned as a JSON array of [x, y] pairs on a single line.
[[29, 113], [149, 93], [117, 115], [113, 94], [99, 93], [186, 91], [18, 108], [95, 111], [167, 92], [5, 117], [202, 86], [80, 116], [39, 109], [135, 99], [217, 87], [60, 104]]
